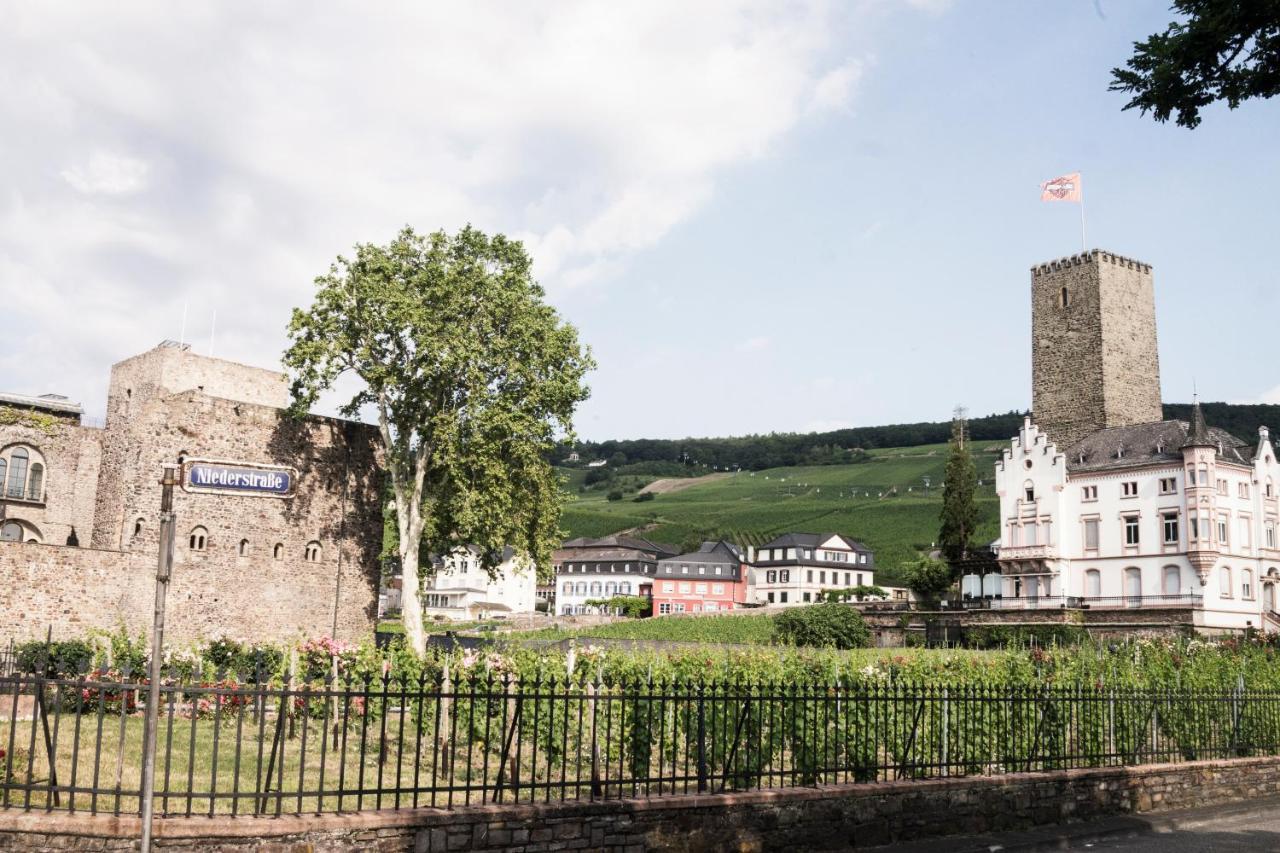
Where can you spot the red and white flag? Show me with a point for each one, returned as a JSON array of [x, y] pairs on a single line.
[[1065, 188]]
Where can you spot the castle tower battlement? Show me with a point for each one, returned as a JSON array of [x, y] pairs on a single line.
[[1094, 360]]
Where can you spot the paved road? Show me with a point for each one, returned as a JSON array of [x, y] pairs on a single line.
[[1252, 830], [1249, 827]]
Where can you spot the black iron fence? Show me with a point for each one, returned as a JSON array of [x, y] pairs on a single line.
[[8, 660], [75, 744]]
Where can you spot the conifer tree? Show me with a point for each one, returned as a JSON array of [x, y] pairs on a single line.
[[959, 511]]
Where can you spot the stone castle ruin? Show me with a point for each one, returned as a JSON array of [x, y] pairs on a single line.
[[81, 504]]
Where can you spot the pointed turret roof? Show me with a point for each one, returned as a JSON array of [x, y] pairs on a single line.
[[1198, 434]]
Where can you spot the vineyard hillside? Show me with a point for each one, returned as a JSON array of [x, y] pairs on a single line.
[[883, 501]]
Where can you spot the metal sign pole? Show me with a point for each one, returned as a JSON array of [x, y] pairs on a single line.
[[163, 570]]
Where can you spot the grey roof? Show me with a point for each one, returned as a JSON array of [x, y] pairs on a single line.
[[810, 540], [1151, 443], [49, 402], [719, 552], [636, 543]]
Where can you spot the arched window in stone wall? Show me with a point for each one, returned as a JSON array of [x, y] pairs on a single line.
[[312, 552], [16, 485], [244, 547], [137, 526], [21, 473], [278, 553], [35, 482], [198, 539]]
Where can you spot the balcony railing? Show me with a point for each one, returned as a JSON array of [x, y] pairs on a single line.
[[1028, 552], [1058, 602]]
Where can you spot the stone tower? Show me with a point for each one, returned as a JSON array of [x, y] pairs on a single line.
[[1094, 362]]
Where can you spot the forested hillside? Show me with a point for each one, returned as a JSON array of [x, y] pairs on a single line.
[[844, 446]]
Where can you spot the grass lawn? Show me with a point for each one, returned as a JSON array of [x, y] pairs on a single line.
[[881, 502]]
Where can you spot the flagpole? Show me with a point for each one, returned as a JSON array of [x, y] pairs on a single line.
[[1084, 244]]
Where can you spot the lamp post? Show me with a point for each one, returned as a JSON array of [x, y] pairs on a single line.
[[164, 567]]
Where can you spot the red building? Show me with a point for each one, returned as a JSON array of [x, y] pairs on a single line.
[[712, 579]]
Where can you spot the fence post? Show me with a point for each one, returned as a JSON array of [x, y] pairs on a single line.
[[164, 568], [945, 720], [42, 707], [592, 691], [1111, 722], [443, 743], [702, 738]]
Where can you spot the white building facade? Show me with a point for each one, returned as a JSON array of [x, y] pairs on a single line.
[[1168, 514], [593, 570], [796, 568], [461, 589]]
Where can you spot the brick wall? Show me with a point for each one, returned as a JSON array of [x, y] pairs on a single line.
[[833, 818]]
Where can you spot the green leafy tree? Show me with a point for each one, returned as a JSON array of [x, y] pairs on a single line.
[[1222, 50], [928, 578], [632, 606], [826, 624], [960, 482], [473, 378]]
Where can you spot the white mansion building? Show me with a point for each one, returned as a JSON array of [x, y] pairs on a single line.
[[1105, 504], [1162, 514]]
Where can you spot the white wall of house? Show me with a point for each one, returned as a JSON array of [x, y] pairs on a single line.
[[573, 591], [462, 589]]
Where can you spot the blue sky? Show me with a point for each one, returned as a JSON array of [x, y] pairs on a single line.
[[761, 217]]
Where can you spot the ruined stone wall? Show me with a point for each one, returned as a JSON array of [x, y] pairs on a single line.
[[73, 590], [71, 455], [1094, 360], [152, 375], [337, 499]]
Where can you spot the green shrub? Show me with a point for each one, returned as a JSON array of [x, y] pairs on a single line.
[[643, 496], [615, 495], [827, 624], [60, 658], [242, 659], [1020, 636]]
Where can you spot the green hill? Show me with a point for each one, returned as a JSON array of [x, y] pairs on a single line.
[[881, 501]]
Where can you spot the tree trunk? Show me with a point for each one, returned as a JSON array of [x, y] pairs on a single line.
[[410, 602]]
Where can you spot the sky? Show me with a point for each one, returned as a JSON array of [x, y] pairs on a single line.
[[761, 216]]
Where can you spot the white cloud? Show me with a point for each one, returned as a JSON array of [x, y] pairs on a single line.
[[756, 344], [834, 89], [220, 156], [109, 174]]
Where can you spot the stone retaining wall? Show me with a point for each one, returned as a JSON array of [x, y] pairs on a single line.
[[831, 818]]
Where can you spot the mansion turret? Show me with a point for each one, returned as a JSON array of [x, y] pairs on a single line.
[[1104, 503]]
